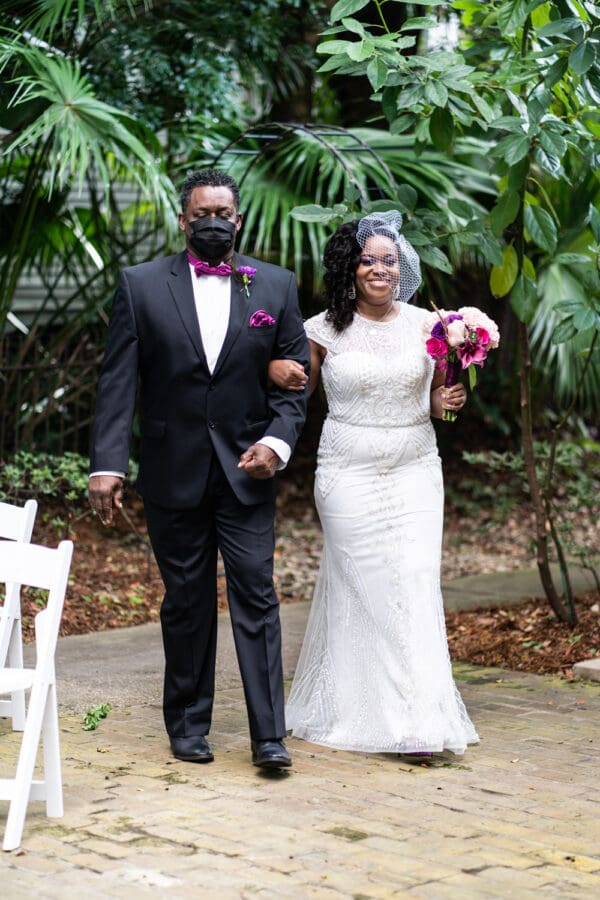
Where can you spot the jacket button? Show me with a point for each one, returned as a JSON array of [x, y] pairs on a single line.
[[211, 387], [211, 424]]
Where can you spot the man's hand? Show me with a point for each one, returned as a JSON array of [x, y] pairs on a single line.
[[106, 495], [259, 461]]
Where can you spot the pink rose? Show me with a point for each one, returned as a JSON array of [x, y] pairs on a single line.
[[457, 332], [436, 348], [483, 337]]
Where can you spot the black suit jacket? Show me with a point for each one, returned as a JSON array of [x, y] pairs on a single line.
[[186, 413]]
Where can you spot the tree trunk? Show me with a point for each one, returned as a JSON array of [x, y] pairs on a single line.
[[542, 523]]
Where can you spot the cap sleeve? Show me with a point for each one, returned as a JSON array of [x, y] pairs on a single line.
[[319, 330]]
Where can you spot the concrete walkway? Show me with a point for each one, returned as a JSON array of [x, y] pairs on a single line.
[[518, 814]]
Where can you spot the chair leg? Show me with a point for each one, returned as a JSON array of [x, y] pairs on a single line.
[[52, 765], [15, 661], [25, 767]]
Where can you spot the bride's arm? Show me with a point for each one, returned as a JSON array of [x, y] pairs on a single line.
[[290, 375], [445, 398], [317, 355]]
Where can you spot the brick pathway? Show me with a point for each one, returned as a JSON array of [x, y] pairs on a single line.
[[515, 816]]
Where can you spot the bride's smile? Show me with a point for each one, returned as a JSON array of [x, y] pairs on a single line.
[[377, 275]]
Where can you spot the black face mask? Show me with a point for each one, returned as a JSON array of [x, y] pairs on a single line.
[[212, 237]]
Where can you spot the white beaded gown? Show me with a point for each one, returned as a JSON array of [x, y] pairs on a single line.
[[374, 671]]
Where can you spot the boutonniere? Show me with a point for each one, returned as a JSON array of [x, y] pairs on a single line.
[[247, 273]]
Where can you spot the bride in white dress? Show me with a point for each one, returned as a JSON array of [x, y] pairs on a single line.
[[374, 672]]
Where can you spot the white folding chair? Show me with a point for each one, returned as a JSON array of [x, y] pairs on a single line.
[[16, 524], [46, 568]]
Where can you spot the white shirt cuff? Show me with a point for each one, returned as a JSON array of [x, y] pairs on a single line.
[[118, 474], [283, 450]]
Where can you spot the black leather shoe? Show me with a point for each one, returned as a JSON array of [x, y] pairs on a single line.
[[270, 754], [192, 749]]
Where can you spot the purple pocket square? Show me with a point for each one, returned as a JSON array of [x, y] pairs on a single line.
[[260, 318]]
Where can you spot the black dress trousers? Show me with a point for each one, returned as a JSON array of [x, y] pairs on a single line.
[[185, 544]]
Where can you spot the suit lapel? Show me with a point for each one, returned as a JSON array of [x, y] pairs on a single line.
[[180, 285], [238, 316]]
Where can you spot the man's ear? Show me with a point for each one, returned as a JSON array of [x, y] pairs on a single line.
[[181, 221], [238, 223]]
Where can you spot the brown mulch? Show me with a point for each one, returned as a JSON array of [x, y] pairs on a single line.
[[528, 637], [115, 583]]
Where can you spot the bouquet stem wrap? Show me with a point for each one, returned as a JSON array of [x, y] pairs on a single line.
[[453, 371]]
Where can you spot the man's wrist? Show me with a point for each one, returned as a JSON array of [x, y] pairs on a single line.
[[280, 448]]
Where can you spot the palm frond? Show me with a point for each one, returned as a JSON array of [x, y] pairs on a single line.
[[47, 18], [560, 365], [82, 132]]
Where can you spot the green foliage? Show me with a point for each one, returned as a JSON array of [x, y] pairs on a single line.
[[577, 468], [92, 718], [471, 495], [78, 131], [56, 478], [525, 80], [574, 492]]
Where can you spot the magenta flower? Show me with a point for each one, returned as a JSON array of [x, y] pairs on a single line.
[[247, 273], [483, 337], [437, 348], [471, 353]]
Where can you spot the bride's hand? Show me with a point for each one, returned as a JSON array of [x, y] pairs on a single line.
[[287, 374], [453, 398]]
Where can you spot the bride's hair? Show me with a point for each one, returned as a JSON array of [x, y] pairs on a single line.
[[341, 258]]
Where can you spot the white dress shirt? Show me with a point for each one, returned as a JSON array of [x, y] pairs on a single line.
[[212, 299]]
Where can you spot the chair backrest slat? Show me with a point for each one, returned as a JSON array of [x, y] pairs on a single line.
[[40, 567], [29, 564], [16, 522]]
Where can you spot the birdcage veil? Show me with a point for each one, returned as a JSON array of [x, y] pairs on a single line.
[[388, 225]]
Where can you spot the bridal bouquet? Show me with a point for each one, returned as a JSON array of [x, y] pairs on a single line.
[[458, 341]]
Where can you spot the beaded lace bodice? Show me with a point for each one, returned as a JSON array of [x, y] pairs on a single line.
[[376, 374], [377, 379]]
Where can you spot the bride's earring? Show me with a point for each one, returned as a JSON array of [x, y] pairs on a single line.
[[352, 293]]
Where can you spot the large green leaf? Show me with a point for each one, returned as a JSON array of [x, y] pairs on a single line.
[[566, 25], [548, 162], [503, 277], [564, 331], [312, 213], [345, 8], [512, 15], [436, 258], [436, 93], [441, 128], [583, 57], [541, 228], [594, 215], [523, 298], [377, 73], [553, 143], [490, 248], [515, 148], [505, 211]]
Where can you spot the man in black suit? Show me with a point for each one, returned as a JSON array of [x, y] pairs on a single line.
[[198, 330]]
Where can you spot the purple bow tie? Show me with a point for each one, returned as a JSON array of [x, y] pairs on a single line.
[[202, 268]]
